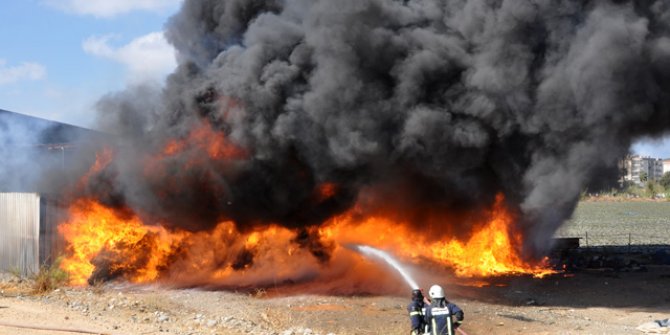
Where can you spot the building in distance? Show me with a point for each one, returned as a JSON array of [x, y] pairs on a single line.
[[640, 169]]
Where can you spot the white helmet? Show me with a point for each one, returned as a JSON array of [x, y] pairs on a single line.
[[436, 292]]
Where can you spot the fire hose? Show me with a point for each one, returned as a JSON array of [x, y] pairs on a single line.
[[460, 331], [66, 330], [368, 250]]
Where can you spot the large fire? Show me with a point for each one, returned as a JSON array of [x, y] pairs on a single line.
[[98, 237], [492, 249], [105, 243]]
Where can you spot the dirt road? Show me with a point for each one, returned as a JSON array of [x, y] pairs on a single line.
[[586, 303]]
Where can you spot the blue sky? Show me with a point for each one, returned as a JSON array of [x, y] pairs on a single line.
[[658, 148], [58, 57]]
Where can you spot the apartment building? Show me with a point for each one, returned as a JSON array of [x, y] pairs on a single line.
[[638, 168]]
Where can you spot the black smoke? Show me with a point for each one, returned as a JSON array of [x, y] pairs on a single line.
[[419, 104]]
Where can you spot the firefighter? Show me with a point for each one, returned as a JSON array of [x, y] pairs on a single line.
[[416, 311], [442, 317]]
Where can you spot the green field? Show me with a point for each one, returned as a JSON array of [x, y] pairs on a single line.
[[617, 223]]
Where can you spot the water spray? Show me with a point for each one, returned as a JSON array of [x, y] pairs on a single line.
[[370, 251]]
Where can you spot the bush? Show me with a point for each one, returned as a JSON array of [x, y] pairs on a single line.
[[49, 278], [635, 191], [665, 181], [653, 189]]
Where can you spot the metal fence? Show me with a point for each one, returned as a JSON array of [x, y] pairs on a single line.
[[594, 239], [19, 232]]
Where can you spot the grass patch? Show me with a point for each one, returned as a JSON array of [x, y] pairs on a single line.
[[158, 303], [49, 278]]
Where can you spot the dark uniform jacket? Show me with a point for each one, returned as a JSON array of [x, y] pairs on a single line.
[[416, 312], [443, 317]]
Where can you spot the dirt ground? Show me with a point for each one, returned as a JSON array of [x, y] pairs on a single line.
[[598, 302]]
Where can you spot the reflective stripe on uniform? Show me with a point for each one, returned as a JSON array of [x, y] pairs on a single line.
[[414, 313], [449, 330], [441, 312]]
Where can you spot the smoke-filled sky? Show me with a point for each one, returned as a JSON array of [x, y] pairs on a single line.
[[60, 56], [423, 107], [428, 108]]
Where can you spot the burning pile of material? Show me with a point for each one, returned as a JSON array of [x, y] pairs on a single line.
[[293, 127], [107, 246]]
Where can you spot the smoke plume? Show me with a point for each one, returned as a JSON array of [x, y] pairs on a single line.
[[424, 106], [32, 148]]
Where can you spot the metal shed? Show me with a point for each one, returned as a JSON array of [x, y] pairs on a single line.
[[34, 150], [28, 234]]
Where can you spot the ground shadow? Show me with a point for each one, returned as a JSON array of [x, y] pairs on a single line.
[[646, 290]]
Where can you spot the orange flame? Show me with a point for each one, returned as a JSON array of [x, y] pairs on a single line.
[[102, 159], [151, 253], [202, 146], [93, 228], [143, 253], [103, 243], [493, 248], [207, 140], [326, 191]]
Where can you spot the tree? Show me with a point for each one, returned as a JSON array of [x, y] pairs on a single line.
[[665, 181], [643, 176]]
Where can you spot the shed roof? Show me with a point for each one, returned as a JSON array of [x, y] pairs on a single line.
[[29, 130]]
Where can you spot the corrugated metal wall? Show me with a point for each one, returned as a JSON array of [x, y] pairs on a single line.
[[19, 232], [51, 242]]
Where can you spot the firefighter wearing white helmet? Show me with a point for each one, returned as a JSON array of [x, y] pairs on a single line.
[[442, 317]]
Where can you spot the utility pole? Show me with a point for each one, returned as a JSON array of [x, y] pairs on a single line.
[[62, 157]]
